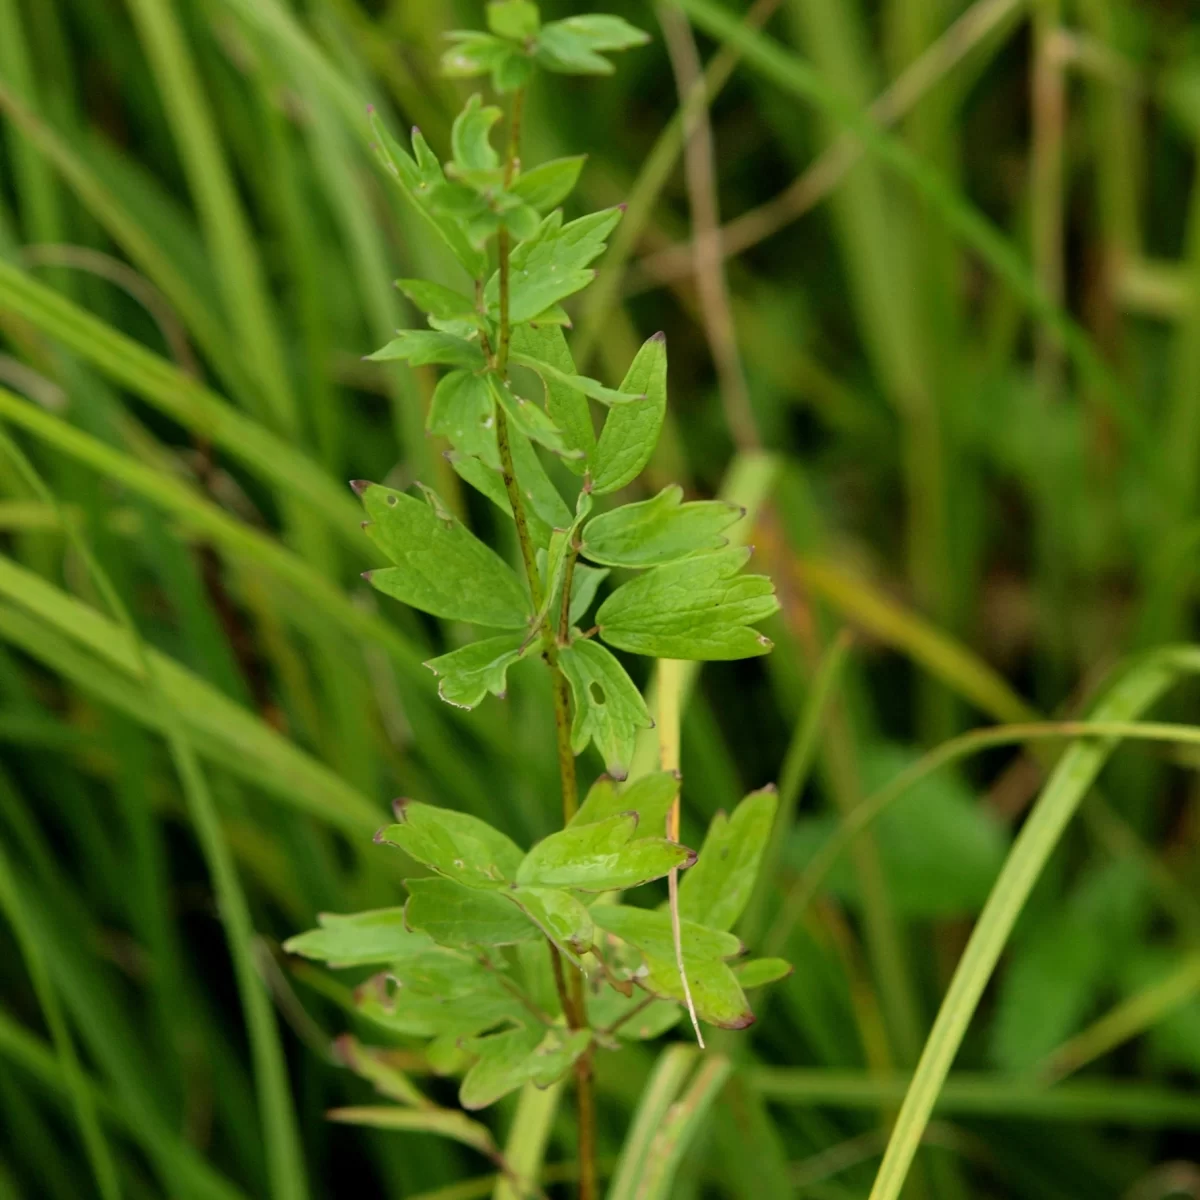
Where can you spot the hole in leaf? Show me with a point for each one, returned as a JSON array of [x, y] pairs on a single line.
[[597, 692], [392, 501]]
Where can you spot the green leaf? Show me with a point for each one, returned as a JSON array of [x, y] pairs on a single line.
[[531, 478], [441, 1122], [515, 19], [543, 499], [584, 584], [717, 889], [699, 608], [513, 71], [473, 53], [442, 568], [454, 844], [462, 412], [470, 136], [649, 930], [376, 1067], [650, 797], [454, 915], [651, 1020], [437, 301], [530, 419], [631, 431], [567, 407], [558, 915], [550, 183], [572, 46], [716, 994], [419, 179], [578, 383], [420, 347], [550, 265], [662, 530], [601, 857], [518, 1056], [758, 972], [604, 32], [358, 939], [468, 674], [609, 709], [416, 1013]]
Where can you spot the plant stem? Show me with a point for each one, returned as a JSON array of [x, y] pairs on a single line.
[[571, 994]]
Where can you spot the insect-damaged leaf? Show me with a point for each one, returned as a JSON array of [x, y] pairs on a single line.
[[699, 608], [609, 709], [567, 406], [358, 939], [461, 411], [717, 889], [657, 531], [442, 568], [551, 265], [421, 347], [631, 431], [601, 857], [650, 931], [510, 1059], [454, 915], [466, 675], [650, 797], [454, 844]]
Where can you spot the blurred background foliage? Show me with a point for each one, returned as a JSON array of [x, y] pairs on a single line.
[[998, 500]]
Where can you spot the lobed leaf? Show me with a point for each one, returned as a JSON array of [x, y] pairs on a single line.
[[510, 1059], [466, 675], [422, 347], [631, 431], [548, 184], [609, 709], [567, 406], [454, 844], [577, 383], [531, 420], [454, 915], [716, 994], [551, 264], [573, 46], [470, 136], [414, 1013], [358, 939], [657, 531], [442, 568], [419, 177], [716, 891], [601, 857], [438, 301], [698, 608], [559, 916], [649, 930], [650, 797], [473, 53]]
